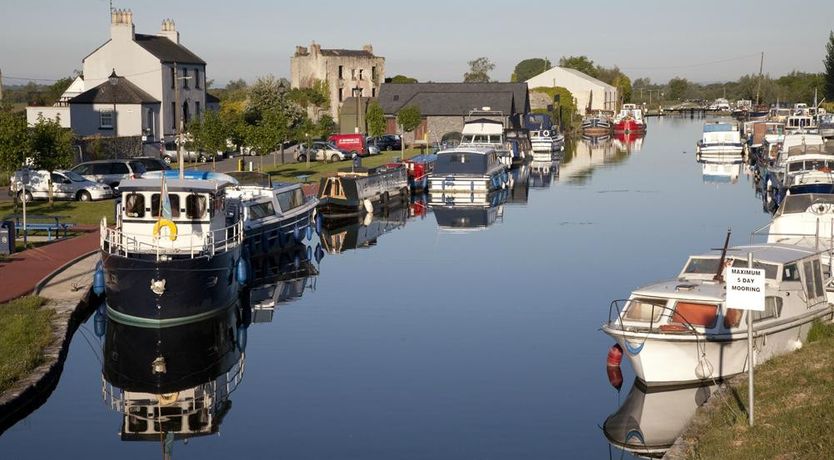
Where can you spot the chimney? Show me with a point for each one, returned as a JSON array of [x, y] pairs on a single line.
[[315, 49], [300, 50], [121, 25], [368, 48], [169, 31]]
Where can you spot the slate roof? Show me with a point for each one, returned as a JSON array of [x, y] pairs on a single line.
[[447, 99], [166, 50], [350, 53], [123, 92]]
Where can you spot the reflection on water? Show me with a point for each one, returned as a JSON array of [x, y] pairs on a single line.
[[362, 232], [649, 421], [582, 157], [543, 173], [720, 173], [629, 142], [520, 191], [474, 215], [173, 383], [281, 276]]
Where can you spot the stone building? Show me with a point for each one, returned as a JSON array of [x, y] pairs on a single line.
[[347, 73], [590, 93], [444, 106]]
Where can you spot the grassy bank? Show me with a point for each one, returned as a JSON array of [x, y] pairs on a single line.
[[24, 333], [291, 172], [76, 212], [793, 414]]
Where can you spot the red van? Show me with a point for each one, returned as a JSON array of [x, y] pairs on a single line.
[[353, 143]]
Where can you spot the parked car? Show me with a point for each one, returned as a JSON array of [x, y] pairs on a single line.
[[169, 154], [66, 185], [386, 142], [352, 143], [110, 172], [322, 151], [153, 164]]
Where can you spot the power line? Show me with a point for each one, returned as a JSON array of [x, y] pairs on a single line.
[[9, 77]]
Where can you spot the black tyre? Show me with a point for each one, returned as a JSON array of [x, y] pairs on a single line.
[[83, 195], [334, 158], [29, 197], [301, 158], [389, 148]]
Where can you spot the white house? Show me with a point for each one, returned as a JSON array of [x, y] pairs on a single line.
[[157, 64], [589, 92], [115, 108]]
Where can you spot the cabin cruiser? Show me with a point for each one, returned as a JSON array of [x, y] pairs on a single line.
[[419, 169], [487, 134], [273, 214], [801, 124], [281, 276], [649, 421], [468, 171], [630, 120], [174, 254], [172, 383], [774, 175], [826, 126], [720, 142], [357, 191], [760, 133], [596, 124], [805, 220], [544, 136], [681, 331]]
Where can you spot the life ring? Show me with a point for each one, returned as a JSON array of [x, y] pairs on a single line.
[[545, 133], [172, 228]]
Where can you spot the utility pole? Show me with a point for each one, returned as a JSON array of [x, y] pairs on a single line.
[[759, 83], [180, 123]]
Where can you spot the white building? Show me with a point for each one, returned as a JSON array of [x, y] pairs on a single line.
[[589, 92], [155, 64], [116, 108]]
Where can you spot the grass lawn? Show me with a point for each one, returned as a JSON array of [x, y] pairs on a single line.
[[24, 333], [794, 409], [76, 212], [289, 172]]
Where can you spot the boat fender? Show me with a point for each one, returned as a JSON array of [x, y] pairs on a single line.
[[242, 338], [369, 206], [615, 356], [319, 253], [615, 377], [319, 223], [98, 279], [165, 223], [309, 233], [242, 271], [309, 252], [100, 324], [703, 370]]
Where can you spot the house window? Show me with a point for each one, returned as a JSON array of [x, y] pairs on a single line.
[[373, 92], [373, 73], [341, 68], [173, 77], [105, 120], [341, 94], [197, 78], [185, 78], [361, 74], [185, 115], [353, 74], [173, 115]]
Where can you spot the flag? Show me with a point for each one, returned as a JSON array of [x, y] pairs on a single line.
[[165, 201]]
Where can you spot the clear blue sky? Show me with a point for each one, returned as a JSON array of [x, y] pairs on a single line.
[[433, 40]]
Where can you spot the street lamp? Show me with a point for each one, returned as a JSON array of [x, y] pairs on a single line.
[[114, 80], [357, 93]]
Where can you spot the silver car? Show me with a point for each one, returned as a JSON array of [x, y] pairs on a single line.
[[321, 151], [110, 172], [66, 185]]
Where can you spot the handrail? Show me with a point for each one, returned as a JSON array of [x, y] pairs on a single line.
[[119, 243]]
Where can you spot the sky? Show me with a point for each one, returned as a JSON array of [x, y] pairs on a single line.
[[704, 41]]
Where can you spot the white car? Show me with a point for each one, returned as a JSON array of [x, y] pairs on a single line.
[[66, 185], [322, 151]]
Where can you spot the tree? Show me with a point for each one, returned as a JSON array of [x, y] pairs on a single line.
[[209, 132], [829, 68], [401, 79], [563, 104], [580, 63], [54, 91], [268, 132], [623, 84], [14, 139], [51, 146], [529, 68], [677, 88], [479, 70], [409, 118], [376, 119]]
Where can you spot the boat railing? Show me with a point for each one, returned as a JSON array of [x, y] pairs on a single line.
[[818, 239], [618, 306], [116, 242]]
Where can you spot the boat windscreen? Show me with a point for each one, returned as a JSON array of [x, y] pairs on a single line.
[[716, 127], [801, 202], [709, 266], [250, 178], [461, 163]]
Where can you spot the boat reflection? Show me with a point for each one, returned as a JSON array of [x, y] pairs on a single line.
[[281, 276], [720, 173], [173, 383], [468, 213], [362, 232], [520, 190], [583, 157], [543, 173], [629, 142], [649, 421]]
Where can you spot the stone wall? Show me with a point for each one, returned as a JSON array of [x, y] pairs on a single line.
[[105, 148]]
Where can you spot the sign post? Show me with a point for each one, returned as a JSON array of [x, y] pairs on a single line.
[[746, 291]]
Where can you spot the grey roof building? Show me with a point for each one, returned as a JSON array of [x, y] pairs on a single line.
[[117, 107], [122, 92]]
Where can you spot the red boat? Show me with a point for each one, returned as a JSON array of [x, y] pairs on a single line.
[[630, 120]]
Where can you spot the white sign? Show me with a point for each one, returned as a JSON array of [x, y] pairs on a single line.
[[746, 288]]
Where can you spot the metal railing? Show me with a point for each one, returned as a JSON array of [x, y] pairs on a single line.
[[116, 242]]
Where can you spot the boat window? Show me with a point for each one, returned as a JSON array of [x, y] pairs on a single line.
[[732, 318], [134, 205], [702, 265], [771, 270], [261, 210], [696, 314], [820, 290], [813, 280], [195, 206], [461, 163], [790, 273], [290, 199], [645, 309], [175, 205], [773, 309]]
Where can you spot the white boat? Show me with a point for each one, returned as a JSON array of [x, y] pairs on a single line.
[[826, 126], [801, 124], [805, 220], [545, 143], [793, 145], [720, 142], [468, 171], [680, 331], [721, 173], [484, 129], [273, 214]]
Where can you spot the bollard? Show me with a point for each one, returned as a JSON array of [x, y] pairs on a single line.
[[240, 164]]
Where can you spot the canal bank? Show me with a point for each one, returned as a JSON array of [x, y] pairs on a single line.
[[69, 297]]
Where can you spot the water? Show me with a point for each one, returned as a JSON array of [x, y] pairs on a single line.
[[430, 343]]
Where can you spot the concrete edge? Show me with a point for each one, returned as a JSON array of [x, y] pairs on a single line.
[[42, 283]]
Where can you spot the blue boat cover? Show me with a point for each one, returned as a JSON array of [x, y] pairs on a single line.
[[192, 174], [716, 127]]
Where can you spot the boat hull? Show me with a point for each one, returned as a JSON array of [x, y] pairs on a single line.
[[629, 126], [286, 231], [194, 288]]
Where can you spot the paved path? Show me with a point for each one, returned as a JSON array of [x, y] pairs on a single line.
[[20, 272]]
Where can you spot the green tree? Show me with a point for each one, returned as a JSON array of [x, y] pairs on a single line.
[[402, 79], [479, 70], [829, 68], [54, 91], [409, 118], [623, 84], [209, 132], [563, 102], [268, 132], [677, 88], [51, 146], [376, 119], [529, 68], [580, 63], [14, 139]]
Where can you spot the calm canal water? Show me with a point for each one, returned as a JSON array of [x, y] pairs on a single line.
[[428, 342]]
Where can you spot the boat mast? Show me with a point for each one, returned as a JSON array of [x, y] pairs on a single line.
[[718, 275], [759, 84]]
